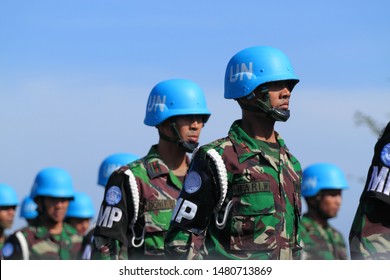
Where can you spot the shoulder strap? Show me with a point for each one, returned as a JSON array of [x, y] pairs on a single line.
[[23, 245], [222, 176], [223, 187], [136, 199]]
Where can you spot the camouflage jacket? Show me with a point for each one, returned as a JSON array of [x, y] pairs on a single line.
[[241, 198], [369, 236], [136, 210], [34, 242], [321, 242]]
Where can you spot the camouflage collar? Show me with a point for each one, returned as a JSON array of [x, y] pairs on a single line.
[[41, 232], [154, 164], [245, 146]]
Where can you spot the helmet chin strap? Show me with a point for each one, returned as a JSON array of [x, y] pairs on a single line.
[[189, 147], [264, 104]]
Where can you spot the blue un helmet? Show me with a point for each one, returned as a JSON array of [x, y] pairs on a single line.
[[53, 182], [8, 196], [28, 209], [81, 207], [112, 163], [176, 97], [256, 66], [320, 176]]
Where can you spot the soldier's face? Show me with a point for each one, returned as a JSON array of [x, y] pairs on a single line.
[[279, 94], [56, 208], [330, 203], [7, 215], [189, 127], [80, 224]]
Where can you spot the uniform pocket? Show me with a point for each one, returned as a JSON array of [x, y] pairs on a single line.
[[253, 222], [156, 226]]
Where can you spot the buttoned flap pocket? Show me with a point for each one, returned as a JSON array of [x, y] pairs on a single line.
[[253, 222], [156, 226]]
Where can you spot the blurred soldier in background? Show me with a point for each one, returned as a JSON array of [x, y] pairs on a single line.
[[48, 238], [322, 184], [80, 212], [369, 237], [139, 198], [29, 209], [109, 165], [8, 202]]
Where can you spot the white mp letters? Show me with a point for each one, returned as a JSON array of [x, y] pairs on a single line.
[[187, 210], [380, 182], [109, 215]]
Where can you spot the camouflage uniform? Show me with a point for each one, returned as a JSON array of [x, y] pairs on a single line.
[[369, 236], [1, 247], [321, 242], [142, 233], [36, 243], [263, 184]]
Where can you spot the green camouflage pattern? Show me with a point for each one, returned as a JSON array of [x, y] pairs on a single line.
[[321, 242], [158, 189], [45, 246], [1, 247], [369, 237], [264, 186]]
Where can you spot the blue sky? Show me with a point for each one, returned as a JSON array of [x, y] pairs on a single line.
[[75, 77]]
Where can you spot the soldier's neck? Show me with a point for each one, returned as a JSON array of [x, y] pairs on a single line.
[[174, 157], [52, 226], [259, 127], [315, 215]]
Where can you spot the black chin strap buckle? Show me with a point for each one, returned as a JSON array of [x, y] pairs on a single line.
[[279, 115], [189, 146]]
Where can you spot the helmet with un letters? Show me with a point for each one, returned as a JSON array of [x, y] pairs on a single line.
[[320, 176], [175, 97], [112, 163], [255, 66]]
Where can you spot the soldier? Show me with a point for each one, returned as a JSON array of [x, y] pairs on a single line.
[[108, 165], [48, 238], [8, 202], [369, 237], [29, 209], [139, 198], [80, 212], [241, 196], [322, 184]]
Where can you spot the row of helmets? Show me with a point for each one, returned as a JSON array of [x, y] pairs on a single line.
[[57, 182]]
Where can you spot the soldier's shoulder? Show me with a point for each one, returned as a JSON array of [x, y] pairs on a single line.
[[135, 165], [308, 224], [216, 144]]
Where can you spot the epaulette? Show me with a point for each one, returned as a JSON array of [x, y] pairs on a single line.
[[155, 168]]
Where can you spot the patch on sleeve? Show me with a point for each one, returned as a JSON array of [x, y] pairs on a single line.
[[8, 250], [113, 195], [193, 182], [385, 155]]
